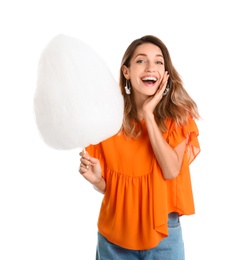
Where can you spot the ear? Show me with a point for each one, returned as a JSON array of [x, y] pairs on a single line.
[[125, 72]]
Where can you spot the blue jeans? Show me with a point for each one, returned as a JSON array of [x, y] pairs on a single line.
[[170, 248]]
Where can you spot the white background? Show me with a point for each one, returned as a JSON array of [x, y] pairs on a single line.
[[47, 210]]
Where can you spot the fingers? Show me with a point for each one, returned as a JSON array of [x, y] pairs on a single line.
[[86, 161], [90, 168], [83, 168], [84, 165], [165, 77], [164, 85], [83, 152]]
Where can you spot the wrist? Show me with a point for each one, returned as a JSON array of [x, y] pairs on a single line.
[[100, 185], [148, 116]]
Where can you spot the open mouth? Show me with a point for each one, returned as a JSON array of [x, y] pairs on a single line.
[[149, 80]]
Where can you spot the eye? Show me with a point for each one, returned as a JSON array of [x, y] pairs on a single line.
[[159, 62], [141, 61]]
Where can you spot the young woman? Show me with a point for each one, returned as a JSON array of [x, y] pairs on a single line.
[[143, 170]]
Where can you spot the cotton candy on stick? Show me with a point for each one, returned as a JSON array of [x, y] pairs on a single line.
[[77, 100]]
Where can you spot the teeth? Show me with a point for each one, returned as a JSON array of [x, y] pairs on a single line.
[[150, 78]]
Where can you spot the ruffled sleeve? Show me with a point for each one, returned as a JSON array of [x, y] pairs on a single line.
[[189, 132], [193, 146]]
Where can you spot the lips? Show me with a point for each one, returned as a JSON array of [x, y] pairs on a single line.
[[149, 80]]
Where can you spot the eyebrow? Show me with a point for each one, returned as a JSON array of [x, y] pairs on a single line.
[[141, 54]]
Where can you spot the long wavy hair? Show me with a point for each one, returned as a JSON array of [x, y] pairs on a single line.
[[177, 104]]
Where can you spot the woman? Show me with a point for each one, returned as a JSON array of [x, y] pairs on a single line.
[[143, 170]]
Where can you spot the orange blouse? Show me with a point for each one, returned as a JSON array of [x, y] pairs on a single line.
[[137, 200]]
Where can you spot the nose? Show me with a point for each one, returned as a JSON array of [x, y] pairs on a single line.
[[151, 67]]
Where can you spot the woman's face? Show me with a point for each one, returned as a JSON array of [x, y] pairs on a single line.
[[146, 70]]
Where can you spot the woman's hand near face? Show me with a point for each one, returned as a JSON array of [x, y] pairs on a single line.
[[150, 104]]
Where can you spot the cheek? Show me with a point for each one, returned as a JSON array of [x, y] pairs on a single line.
[[161, 73], [133, 76], [133, 81]]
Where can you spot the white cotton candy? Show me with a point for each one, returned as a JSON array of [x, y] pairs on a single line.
[[77, 101]]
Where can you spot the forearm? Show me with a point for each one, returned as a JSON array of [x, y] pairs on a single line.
[[168, 158]]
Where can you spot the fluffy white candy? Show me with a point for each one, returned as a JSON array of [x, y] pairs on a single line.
[[77, 101]]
